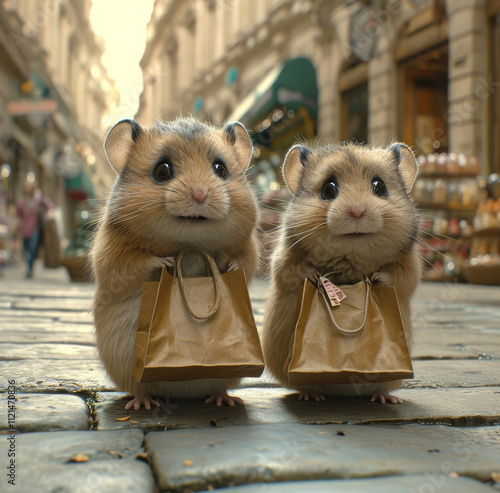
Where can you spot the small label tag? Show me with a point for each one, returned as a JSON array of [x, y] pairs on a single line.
[[334, 293]]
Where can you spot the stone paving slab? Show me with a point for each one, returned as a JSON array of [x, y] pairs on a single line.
[[44, 375], [455, 373], [63, 316], [43, 462], [464, 407], [480, 322], [61, 304], [55, 375], [37, 326], [439, 294], [439, 343], [290, 452], [46, 412], [441, 483], [8, 298], [75, 318], [42, 290], [24, 336], [72, 352]]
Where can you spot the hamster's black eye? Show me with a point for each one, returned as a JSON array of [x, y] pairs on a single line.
[[379, 188], [220, 169], [330, 190], [163, 171]]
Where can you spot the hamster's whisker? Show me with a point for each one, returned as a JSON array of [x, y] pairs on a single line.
[[139, 207], [296, 225], [235, 189], [301, 239], [324, 209], [301, 233], [263, 221], [427, 261], [270, 208], [440, 237], [135, 213], [393, 202], [183, 184], [308, 233], [432, 248]]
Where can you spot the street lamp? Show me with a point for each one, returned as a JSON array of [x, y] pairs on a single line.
[[5, 171]]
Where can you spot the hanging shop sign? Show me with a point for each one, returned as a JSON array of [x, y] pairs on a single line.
[[21, 107], [364, 33]]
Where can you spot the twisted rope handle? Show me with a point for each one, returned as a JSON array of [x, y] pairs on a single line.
[[340, 329], [215, 275]]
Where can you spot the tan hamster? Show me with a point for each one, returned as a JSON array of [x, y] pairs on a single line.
[[350, 214], [180, 184]]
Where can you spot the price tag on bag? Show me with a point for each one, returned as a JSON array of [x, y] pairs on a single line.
[[334, 293]]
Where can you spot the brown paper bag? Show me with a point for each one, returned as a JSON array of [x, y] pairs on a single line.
[[196, 327], [362, 340]]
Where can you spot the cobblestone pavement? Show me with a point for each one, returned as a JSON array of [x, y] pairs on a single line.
[[73, 434]]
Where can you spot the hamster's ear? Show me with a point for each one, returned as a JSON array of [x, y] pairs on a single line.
[[237, 136], [295, 162], [119, 142], [406, 162]]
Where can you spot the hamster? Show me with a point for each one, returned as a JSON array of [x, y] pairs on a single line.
[[350, 214], [180, 184]]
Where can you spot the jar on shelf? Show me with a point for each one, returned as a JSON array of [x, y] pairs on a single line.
[[439, 193], [452, 164]]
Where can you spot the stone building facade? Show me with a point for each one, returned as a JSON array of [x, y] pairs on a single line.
[[425, 72], [54, 93]]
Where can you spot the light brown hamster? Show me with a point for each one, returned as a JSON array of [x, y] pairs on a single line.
[[350, 214], [180, 184]]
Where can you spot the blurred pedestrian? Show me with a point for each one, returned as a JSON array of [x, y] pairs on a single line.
[[30, 210]]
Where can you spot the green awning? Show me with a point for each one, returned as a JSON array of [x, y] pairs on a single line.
[[292, 85], [80, 187]]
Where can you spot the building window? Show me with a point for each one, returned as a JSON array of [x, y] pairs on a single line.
[[355, 114], [423, 101]]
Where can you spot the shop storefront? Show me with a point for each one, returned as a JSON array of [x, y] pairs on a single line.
[[494, 117], [280, 111]]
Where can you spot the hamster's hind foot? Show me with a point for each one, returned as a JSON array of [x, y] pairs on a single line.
[[223, 396], [137, 402], [383, 398], [306, 396]]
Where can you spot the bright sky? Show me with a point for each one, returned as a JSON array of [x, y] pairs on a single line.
[[122, 25]]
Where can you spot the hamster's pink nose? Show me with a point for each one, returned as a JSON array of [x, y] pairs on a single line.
[[357, 212], [199, 194]]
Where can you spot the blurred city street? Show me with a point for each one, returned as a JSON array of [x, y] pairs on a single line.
[[425, 73], [73, 433]]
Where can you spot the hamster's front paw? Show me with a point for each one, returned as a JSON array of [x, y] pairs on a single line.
[[137, 402], [386, 397], [382, 279], [223, 396], [305, 270], [233, 265], [166, 261]]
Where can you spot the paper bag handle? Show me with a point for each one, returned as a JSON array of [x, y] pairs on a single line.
[[340, 329], [215, 275]]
